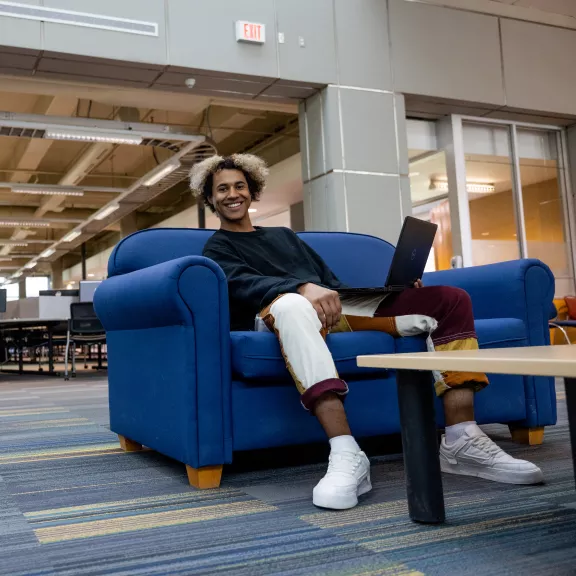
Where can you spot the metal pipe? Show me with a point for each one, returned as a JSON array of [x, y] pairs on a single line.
[[201, 215], [83, 252]]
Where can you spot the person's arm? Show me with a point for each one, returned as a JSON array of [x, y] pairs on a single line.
[[245, 283]]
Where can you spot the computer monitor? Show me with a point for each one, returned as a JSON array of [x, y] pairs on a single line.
[[58, 293], [87, 289]]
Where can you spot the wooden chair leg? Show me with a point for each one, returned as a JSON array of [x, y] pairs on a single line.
[[530, 436], [129, 445], [203, 478]]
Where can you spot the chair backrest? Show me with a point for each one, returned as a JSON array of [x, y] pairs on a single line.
[[358, 260], [83, 319]]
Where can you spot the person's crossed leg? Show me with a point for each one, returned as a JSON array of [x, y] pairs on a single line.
[[445, 314]]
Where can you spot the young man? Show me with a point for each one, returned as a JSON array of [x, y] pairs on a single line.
[[277, 282]]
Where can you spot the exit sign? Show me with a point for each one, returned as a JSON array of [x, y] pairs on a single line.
[[250, 32]]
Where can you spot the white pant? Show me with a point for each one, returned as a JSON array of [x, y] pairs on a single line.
[[297, 326]]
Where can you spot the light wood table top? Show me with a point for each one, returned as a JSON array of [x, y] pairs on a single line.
[[559, 361]]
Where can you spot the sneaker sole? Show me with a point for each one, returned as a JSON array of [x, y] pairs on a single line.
[[503, 476], [343, 502]]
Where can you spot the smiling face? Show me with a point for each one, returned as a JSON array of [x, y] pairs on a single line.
[[231, 197]]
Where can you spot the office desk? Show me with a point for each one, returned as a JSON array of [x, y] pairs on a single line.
[[19, 326]]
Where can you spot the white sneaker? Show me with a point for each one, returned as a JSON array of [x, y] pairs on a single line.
[[347, 478], [474, 454]]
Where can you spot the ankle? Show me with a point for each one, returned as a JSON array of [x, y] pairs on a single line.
[[344, 443]]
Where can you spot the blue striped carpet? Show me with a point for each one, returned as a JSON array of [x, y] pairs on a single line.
[[72, 503]]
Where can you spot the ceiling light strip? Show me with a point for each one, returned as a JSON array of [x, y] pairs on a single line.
[[47, 191], [92, 136], [472, 187], [161, 172], [23, 224], [71, 236], [105, 212]]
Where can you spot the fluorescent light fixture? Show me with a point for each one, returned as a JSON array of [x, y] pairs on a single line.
[[105, 212], [161, 172], [13, 243], [48, 191], [473, 187], [30, 265], [71, 236], [23, 224], [48, 253], [17, 274], [480, 188], [5, 259], [252, 210], [119, 137]]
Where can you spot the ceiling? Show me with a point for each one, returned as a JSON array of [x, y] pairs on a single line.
[[564, 7], [113, 173], [46, 65]]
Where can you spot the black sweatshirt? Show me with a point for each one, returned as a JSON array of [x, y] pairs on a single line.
[[263, 264]]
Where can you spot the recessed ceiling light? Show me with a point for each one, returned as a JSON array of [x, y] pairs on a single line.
[[190, 82], [485, 233]]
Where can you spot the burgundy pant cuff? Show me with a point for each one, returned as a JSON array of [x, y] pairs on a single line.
[[310, 397]]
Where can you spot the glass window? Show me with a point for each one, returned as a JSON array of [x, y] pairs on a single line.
[[430, 202], [542, 199], [489, 187], [34, 284], [12, 292]]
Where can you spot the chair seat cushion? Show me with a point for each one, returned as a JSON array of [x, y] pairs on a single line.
[[256, 355]]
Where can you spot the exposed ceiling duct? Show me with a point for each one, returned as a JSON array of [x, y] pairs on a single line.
[[138, 194], [93, 130]]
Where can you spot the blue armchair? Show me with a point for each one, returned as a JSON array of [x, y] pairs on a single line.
[[182, 384]]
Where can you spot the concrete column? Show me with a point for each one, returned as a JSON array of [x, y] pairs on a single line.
[[129, 225], [56, 275], [297, 217], [22, 288], [353, 134]]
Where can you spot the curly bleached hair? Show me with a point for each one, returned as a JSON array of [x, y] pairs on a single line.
[[254, 169]]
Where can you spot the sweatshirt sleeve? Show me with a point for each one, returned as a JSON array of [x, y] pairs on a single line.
[[246, 284]]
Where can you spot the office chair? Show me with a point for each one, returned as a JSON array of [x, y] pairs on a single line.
[[83, 328], [570, 322]]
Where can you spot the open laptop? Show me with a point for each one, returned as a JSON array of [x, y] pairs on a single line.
[[409, 261]]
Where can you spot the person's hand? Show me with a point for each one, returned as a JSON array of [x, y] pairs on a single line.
[[326, 303], [418, 284]]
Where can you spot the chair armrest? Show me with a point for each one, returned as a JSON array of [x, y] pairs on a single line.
[[521, 289], [168, 334], [152, 297]]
